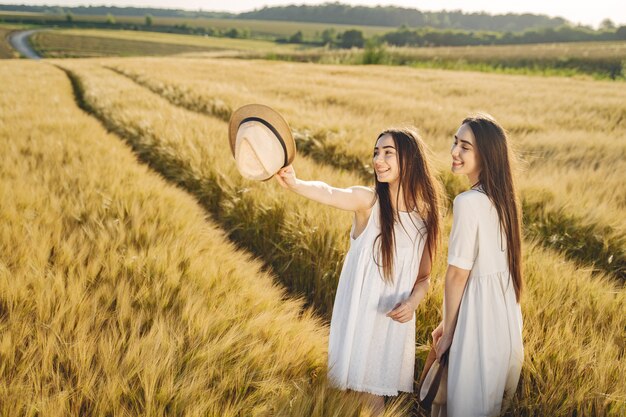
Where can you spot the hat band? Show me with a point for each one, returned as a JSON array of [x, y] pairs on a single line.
[[274, 131]]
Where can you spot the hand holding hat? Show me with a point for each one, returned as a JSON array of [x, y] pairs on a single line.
[[261, 141], [286, 177]]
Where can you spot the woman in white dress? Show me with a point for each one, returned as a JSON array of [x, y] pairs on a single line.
[[386, 271], [481, 331]]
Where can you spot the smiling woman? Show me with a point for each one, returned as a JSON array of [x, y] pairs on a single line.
[[481, 331], [386, 271], [464, 156]]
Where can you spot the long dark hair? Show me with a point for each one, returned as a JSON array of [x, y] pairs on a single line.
[[421, 192], [496, 178]]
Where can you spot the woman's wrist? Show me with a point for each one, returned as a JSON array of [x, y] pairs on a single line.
[[447, 332], [418, 294], [414, 300], [296, 185]]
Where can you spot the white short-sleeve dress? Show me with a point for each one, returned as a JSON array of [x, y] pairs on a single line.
[[486, 354], [368, 351]]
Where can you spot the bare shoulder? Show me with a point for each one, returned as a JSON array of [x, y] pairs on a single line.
[[365, 198]]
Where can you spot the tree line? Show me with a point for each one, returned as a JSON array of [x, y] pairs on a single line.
[[431, 37], [331, 13], [337, 13], [114, 11], [404, 36]]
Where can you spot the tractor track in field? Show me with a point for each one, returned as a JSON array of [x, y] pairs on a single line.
[[260, 236]]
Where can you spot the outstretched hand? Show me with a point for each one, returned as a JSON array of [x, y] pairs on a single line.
[[286, 177]]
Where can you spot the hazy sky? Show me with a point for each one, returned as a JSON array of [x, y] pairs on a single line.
[[577, 11]]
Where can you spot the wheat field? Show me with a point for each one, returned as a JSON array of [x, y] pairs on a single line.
[[118, 296], [557, 125], [570, 156], [69, 41], [172, 286]]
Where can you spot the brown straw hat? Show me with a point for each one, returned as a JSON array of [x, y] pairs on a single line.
[[432, 387], [261, 141]]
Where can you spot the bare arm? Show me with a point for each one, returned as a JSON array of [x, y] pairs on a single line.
[[403, 312], [456, 278], [354, 198], [423, 278], [455, 285]]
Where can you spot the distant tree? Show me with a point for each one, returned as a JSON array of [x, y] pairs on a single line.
[[69, 17], [296, 37], [328, 36], [182, 27], [148, 20], [232, 33], [245, 33], [352, 38], [110, 19], [403, 36], [607, 24], [620, 33], [375, 52]]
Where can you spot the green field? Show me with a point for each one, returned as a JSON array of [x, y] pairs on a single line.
[[601, 60], [274, 29], [6, 50], [257, 28], [90, 43]]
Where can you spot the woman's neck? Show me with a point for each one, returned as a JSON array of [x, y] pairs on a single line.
[[474, 178], [393, 192]]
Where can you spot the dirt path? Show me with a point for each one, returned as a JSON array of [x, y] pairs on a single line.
[[19, 41]]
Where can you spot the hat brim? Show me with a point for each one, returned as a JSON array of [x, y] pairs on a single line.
[[271, 119]]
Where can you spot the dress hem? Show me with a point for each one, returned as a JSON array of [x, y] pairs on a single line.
[[377, 391]]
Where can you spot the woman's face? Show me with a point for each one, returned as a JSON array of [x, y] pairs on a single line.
[[464, 153], [385, 160]]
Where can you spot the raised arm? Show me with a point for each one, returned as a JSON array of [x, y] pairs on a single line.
[[353, 198]]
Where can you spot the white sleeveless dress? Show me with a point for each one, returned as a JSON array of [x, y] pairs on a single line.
[[486, 354], [368, 351]]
